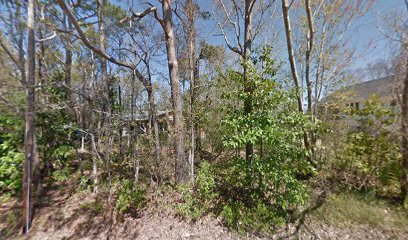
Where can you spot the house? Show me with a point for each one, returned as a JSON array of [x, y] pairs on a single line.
[[141, 122], [338, 105]]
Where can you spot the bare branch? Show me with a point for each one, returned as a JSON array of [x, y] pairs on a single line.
[[138, 15], [10, 52], [54, 34]]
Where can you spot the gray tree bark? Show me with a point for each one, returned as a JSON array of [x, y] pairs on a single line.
[[167, 24], [29, 121]]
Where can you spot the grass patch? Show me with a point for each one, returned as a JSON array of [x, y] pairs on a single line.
[[348, 209], [5, 197]]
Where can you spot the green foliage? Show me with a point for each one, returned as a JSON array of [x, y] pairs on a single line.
[[11, 153], [130, 198], [191, 206], [256, 193], [61, 175], [58, 93], [371, 156], [199, 200], [57, 127], [84, 183], [258, 217], [205, 182]]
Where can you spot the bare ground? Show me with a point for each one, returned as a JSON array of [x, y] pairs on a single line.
[[63, 214]]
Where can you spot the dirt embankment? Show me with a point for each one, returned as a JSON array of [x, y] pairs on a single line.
[[67, 215]]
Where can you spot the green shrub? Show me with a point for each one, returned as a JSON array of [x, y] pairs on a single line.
[[199, 200], [191, 206], [205, 182], [11, 153], [371, 156], [95, 207], [11, 166], [130, 198]]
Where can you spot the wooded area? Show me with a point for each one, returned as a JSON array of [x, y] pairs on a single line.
[[244, 110]]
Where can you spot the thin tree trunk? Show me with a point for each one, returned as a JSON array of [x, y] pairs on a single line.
[[106, 106], [94, 160], [68, 66], [310, 42], [288, 31], [319, 71], [191, 42], [249, 148], [30, 124], [102, 46], [153, 119], [404, 143], [295, 76], [196, 108]]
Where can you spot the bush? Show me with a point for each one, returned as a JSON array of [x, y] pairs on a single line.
[[130, 198], [11, 153], [371, 156], [202, 198]]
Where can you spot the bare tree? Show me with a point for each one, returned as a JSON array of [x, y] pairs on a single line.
[[188, 20], [321, 47], [166, 22]]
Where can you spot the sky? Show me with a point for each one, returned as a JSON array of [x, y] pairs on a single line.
[[369, 42], [367, 34]]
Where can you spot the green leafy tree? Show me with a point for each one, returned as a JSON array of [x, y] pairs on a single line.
[[265, 186]]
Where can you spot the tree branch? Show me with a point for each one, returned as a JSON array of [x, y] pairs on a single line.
[[86, 41], [139, 15], [10, 52]]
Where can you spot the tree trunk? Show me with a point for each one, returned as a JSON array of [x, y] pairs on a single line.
[[310, 41], [30, 124], [94, 160], [249, 148], [310, 139], [180, 164], [288, 31], [153, 118], [191, 42], [68, 66], [106, 106], [102, 46], [196, 107], [404, 143]]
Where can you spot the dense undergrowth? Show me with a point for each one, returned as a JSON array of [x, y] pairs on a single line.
[[274, 186]]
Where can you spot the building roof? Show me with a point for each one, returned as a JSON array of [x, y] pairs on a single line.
[[382, 87], [144, 115]]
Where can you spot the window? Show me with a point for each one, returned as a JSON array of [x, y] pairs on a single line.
[[353, 106], [393, 103]]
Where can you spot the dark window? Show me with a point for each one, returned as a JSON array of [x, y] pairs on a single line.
[[356, 105], [393, 103]]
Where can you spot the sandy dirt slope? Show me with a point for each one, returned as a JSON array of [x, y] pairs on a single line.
[[65, 215]]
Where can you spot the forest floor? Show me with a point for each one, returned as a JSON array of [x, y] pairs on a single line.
[[64, 213]]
